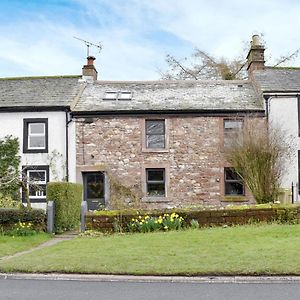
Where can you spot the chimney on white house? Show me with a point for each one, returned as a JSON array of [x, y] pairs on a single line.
[[255, 57], [89, 71]]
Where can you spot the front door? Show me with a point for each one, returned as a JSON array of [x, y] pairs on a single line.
[[93, 183]]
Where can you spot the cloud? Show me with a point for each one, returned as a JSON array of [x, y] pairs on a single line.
[[137, 34]]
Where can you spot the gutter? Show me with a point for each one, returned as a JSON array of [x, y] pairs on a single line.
[[207, 113], [67, 143]]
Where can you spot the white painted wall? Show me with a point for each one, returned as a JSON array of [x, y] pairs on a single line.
[[12, 124], [283, 112]]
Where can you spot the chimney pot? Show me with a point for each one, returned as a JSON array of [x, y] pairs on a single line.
[[90, 60], [255, 40]]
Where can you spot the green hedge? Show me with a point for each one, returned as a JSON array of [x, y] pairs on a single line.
[[67, 198], [11, 216]]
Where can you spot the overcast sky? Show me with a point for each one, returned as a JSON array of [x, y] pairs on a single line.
[[36, 36]]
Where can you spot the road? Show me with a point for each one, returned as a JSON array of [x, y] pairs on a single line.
[[25, 289]]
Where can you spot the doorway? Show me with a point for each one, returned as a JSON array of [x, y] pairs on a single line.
[[94, 189]]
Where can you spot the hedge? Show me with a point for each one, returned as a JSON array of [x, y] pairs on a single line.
[[67, 198], [11, 216], [105, 220]]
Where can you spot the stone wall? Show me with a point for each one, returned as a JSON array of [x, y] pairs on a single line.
[[105, 222], [194, 159]]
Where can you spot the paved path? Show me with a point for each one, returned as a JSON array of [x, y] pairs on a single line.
[[55, 240]]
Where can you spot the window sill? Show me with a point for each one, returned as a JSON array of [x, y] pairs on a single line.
[[234, 199], [155, 150], [155, 199], [35, 150], [35, 200]]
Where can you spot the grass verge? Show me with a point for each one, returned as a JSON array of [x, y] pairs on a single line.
[[251, 250], [10, 245]]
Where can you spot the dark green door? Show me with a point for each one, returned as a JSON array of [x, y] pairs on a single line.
[[93, 183]]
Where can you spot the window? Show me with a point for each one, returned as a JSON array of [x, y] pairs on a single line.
[[35, 138], [234, 185], [117, 95], [110, 96], [155, 134], [124, 96], [231, 128], [36, 178], [155, 182]]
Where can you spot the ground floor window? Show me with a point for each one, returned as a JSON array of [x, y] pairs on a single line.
[[35, 179], [156, 182], [234, 185]]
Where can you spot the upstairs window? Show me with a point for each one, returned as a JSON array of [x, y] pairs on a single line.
[[234, 184], [155, 134], [231, 129], [35, 138], [155, 182]]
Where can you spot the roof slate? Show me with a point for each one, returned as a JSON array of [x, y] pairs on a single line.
[[38, 92], [171, 95], [278, 79]]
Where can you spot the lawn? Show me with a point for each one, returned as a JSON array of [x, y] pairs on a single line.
[[10, 245], [259, 249]]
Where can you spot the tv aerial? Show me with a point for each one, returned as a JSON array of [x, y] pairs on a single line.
[[89, 44]]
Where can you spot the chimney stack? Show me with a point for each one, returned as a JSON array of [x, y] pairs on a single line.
[[255, 57], [89, 71]]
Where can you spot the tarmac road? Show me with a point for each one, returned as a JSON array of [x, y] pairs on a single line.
[[62, 289]]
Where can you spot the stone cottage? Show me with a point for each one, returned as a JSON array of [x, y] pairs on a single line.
[[160, 140]]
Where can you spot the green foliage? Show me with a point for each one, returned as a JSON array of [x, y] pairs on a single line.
[[22, 229], [9, 167], [8, 202], [11, 216], [151, 223], [194, 224], [67, 198]]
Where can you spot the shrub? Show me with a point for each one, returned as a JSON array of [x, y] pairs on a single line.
[[67, 198], [7, 202], [11, 216], [9, 166]]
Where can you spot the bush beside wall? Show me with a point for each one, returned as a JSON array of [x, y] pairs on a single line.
[[67, 198], [11, 216], [104, 221]]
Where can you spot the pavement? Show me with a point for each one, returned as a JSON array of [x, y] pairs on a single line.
[[131, 278]]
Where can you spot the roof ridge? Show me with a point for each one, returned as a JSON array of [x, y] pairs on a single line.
[[40, 77], [172, 81]]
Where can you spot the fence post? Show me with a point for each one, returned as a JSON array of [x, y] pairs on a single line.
[[50, 216], [83, 212]]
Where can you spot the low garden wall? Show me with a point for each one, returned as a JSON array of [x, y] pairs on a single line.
[[106, 221]]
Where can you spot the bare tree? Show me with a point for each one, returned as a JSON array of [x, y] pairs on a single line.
[[258, 153], [201, 65]]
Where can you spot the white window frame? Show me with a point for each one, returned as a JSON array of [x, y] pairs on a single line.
[[30, 134], [39, 194]]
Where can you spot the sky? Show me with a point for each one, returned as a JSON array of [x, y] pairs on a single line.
[[37, 36]]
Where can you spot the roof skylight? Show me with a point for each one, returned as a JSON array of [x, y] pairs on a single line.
[[118, 95]]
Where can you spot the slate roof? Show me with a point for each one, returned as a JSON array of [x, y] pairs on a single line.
[[171, 95], [38, 92], [278, 79]]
